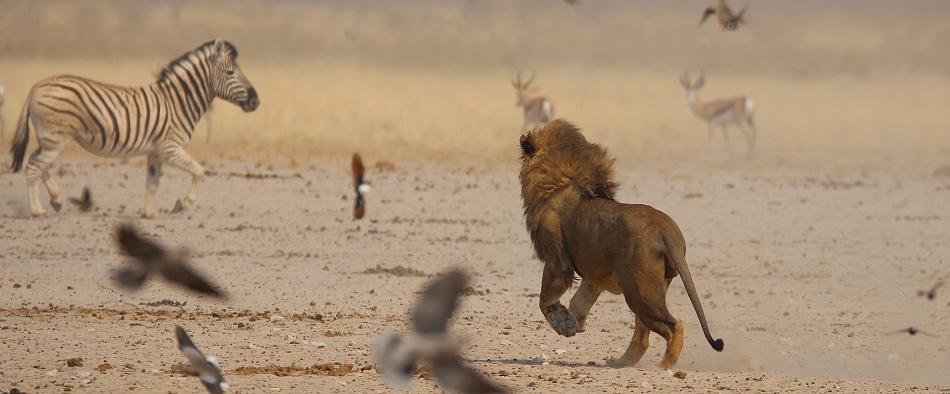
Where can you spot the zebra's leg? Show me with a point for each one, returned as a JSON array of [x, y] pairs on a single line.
[[38, 168], [154, 165], [182, 160], [52, 187]]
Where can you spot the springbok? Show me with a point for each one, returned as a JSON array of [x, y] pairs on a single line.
[[538, 110], [736, 111]]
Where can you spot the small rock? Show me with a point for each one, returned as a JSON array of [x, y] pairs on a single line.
[[680, 375], [320, 345], [560, 351], [74, 362]]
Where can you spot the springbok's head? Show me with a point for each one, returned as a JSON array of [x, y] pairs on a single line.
[[227, 80], [692, 89], [521, 88]]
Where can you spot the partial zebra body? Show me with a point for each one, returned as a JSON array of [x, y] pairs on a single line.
[[156, 120], [135, 120], [3, 94]]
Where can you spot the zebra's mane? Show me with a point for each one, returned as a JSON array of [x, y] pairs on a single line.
[[168, 71]]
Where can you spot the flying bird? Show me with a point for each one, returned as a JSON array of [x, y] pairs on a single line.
[[932, 293], [912, 331], [398, 357], [360, 186], [728, 20], [149, 257], [206, 368], [85, 202]]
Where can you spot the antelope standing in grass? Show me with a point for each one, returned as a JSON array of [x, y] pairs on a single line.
[[538, 110], [736, 111]]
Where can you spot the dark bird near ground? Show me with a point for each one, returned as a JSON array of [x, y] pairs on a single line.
[[360, 186], [206, 368], [932, 293], [398, 356], [149, 257], [728, 20], [912, 331], [84, 203]]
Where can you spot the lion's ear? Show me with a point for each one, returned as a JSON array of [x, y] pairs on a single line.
[[527, 145]]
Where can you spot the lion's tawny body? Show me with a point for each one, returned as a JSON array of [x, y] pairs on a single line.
[[577, 228]]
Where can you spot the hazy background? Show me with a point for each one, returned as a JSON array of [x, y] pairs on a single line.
[[860, 84]]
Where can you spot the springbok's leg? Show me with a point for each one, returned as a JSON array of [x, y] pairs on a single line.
[[750, 121], [725, 137], [152, 178], [582, 301], [51, 145], [180, 159]]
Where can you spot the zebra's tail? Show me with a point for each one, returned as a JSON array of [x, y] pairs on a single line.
[[22, 137]]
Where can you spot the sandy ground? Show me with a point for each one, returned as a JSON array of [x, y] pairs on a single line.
[[804, 276]]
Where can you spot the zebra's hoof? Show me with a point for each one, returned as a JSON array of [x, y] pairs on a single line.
[[56, 205], [179, 207]]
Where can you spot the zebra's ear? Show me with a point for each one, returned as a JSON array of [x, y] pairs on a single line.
[[217, 49]]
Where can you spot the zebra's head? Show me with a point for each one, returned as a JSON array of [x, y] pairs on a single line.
[[227, 80]]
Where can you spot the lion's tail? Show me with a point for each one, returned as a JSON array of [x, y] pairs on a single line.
[[678, 255]]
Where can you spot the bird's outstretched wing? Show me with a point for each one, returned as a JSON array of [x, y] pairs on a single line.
[[452, 373], [911, 331], [208, 372], [437, 303], [142, 251], [709, 11], [359, 208], [85, 202], [179, 272]]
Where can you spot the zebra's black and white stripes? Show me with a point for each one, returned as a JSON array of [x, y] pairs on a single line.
[[157, 120]]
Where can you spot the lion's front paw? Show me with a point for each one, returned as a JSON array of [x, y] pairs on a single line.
[[562, 321]]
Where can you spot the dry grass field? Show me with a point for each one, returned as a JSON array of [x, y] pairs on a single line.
[[806, 256]]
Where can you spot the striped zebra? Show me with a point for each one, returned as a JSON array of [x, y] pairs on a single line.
[[3, 94], [157, 120]]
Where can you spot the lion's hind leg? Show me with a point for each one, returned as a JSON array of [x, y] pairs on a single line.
[[638, 346], [646, 297]]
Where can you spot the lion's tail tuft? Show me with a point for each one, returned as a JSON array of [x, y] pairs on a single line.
[[678, 255]]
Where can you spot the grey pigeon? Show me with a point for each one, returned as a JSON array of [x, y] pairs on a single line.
[[398, 356]]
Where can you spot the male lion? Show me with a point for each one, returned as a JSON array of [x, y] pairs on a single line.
[[577, 226]]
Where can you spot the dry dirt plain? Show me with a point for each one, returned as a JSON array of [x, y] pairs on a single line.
[[804, 276]]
